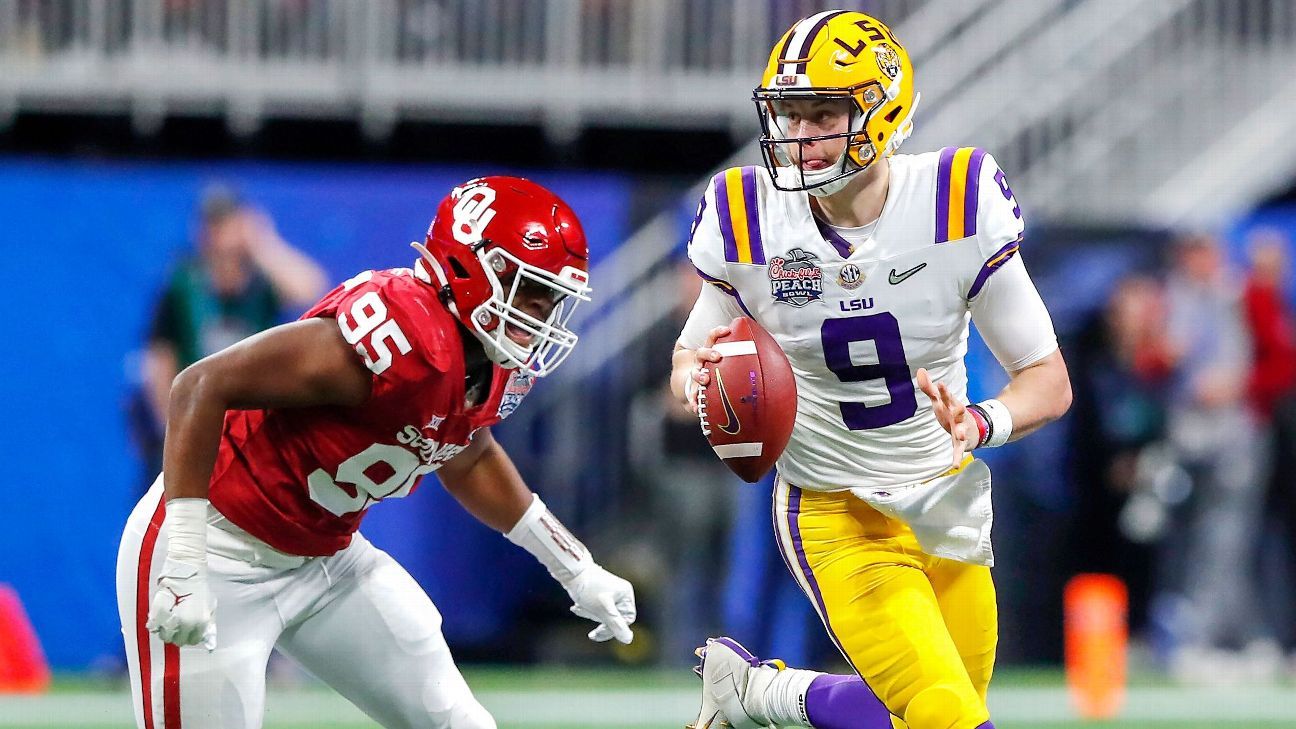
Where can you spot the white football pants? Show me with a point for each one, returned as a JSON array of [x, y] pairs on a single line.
[[355, 619]]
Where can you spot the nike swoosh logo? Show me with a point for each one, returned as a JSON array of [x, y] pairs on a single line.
[[896, 278], [731, 426]]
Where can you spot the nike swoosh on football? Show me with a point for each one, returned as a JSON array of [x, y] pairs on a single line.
[[896, 278], [732, 426]]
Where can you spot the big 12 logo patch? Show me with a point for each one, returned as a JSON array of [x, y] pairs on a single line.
[[797, 279]]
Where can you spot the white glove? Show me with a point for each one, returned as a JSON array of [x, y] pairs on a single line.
[[598, 594], [182, 607], [606, 599]]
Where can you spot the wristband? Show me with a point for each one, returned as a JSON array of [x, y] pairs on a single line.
[[982, 423], [690, 386], [999, 421], [540, 533], [186, 523]]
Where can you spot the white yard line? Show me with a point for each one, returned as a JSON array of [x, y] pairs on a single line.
[[667, 708]]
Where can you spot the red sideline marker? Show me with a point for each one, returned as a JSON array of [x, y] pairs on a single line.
[[1095, 608], [23, 669]]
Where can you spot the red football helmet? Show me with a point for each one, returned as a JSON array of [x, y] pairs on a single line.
[[496, 237]]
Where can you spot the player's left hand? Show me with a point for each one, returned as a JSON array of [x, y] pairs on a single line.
[[606, 599], [952, 415]]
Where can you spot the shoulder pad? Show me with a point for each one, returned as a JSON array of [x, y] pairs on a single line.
[[374, 297]]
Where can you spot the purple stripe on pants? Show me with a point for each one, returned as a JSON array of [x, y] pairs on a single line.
[[943, 193], [794, 530], [972, 191], [774, 513]]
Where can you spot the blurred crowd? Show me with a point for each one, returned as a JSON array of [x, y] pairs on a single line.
[[1186, 410]]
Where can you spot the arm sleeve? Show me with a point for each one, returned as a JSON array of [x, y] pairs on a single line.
[[1012, 318], [712, 309]]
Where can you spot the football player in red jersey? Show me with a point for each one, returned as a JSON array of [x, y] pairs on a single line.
[[276, 446]]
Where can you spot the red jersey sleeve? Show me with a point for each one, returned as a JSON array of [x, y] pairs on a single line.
[[397, 327]]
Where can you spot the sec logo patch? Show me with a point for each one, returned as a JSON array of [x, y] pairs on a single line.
[[850, 277]]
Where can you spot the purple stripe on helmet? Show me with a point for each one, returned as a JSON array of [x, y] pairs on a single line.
[[992, 264], [736, 647], [986, 725], [972, 192], [842, 245], [793, 514], [943, 193], [753, 215], [726, 287], [808, 42], [726, 220], [787, 44]]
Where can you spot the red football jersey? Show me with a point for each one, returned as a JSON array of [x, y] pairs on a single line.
[[300, 479]]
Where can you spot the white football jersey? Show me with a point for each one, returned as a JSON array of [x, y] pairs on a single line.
[[856, 324]]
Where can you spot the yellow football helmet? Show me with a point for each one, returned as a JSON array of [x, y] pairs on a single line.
[[836, 54]]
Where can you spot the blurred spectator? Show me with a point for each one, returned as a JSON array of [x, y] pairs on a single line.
[[1272, 391], [690, 503], [1210, 609], [241, 280], [1121, 379], [1269, 319]]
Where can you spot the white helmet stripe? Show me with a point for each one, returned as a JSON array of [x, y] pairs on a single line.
[[803, 35]]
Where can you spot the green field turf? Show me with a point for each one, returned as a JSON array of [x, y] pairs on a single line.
[[651, 699]]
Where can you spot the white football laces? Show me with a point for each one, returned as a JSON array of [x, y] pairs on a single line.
[[693, 388]]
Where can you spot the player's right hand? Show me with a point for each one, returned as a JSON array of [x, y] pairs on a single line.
[[182, 609], [699, 377], [951, 414]]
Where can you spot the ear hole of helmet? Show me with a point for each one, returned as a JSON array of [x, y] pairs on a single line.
[[891, 117], [457, 268]]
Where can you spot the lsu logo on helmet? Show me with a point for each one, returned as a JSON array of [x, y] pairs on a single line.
[[836, 54]]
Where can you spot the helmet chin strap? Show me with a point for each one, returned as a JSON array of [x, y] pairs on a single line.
[[844, 169], [495, 353], [828, 188], [424, 270]]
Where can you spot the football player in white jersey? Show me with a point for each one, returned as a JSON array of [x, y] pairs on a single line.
[[866, 266]]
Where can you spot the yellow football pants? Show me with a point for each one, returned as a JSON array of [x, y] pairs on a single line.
[[920, 630]]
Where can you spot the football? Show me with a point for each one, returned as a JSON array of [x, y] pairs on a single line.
[[748, 408]]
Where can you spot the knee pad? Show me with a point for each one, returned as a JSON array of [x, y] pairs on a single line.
[[945, 707]]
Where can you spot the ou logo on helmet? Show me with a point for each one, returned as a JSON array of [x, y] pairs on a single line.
[[472, 213]]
